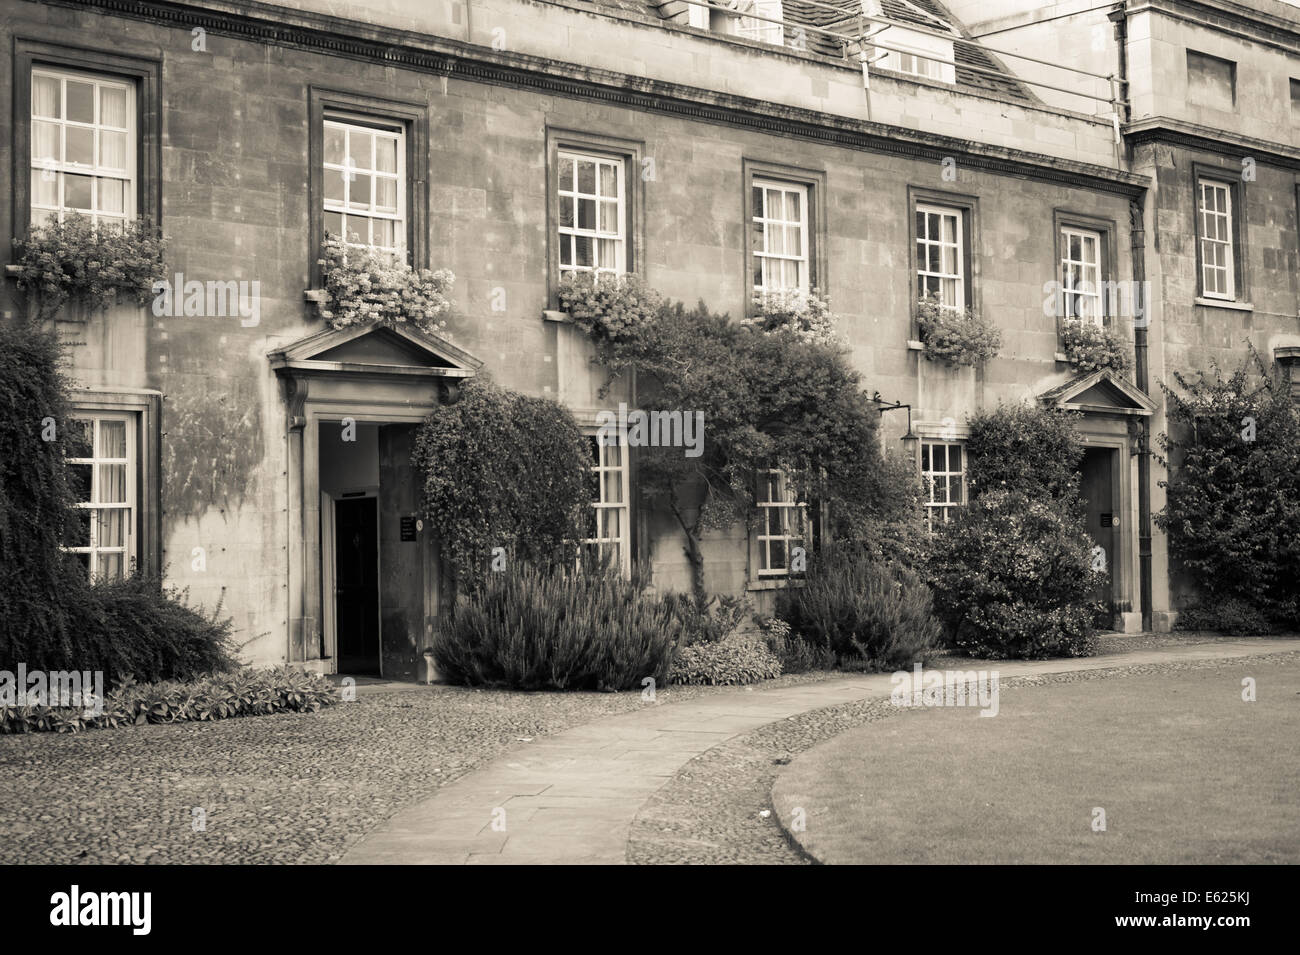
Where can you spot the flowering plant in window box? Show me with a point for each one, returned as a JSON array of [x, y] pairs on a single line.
[[959, 336], [1090, 347], [610, 307], [806, 314], [364, 287], [93, 266]]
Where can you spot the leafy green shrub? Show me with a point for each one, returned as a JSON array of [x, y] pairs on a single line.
[[1233, 495], [1089, 347], [796, 654], [1230, 616], [869, 614], [75, 260], [503, 470], [138, 628], [959, 336], [218, 697], [708, 619], [34, 497], [804, 314], [1026, 449], [554, 629], [734, 661], [1013, 577], [609, 308], [364, 287]]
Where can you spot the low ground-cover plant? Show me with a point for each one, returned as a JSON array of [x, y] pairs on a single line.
[[216, 697], [1228, 616], [611, 307], [364, 287], [959, 336], [870, 614], [806, 315], [533, 628], [1090, 347], [75, 260], [736, 660]]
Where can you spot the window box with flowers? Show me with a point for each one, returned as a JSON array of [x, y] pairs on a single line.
[[805, 314], [364, 287], [958, 336], [1090, 347], [77, 262], [608, 308]]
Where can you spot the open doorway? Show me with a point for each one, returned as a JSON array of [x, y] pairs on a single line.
[[350, 547], [1099, 492]]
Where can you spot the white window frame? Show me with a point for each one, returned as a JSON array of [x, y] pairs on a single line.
[[1221, 217], [94, 505], [766, 223], [929, 475], [569, 192], [43, 167], [925, 241], [762, 30], [602, 467], [789, 513], [348, 169], [1082, 299]]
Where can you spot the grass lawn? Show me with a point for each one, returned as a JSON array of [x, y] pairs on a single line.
[[1185, 770]]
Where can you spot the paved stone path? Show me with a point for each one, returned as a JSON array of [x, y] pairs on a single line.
[[571, 798]]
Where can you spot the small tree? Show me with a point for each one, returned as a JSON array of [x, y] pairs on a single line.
[[1233, 497], [770, 399], [503, 470]]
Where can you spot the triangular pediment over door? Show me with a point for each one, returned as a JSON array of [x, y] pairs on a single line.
[[1100, 392]]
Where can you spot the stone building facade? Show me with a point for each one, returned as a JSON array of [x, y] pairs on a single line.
[[885, 143]]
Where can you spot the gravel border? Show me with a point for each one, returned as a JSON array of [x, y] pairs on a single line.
[[712, 812], [288, 788]]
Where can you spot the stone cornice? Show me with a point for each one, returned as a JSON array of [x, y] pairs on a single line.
[[1230, 17], [1163, 129], [321, 33]]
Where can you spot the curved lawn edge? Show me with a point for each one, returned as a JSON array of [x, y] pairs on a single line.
[[804, 782]]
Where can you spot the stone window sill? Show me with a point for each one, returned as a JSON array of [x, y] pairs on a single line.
[[1225, 303], [773, 583], [551, 315]]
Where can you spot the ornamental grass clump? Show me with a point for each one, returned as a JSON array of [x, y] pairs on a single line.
[[94, 266], [870, 614], [531, 628], [1090, 347], [958, 336], [364, 287]]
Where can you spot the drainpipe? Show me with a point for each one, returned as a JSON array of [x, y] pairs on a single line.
[[1137, 234]]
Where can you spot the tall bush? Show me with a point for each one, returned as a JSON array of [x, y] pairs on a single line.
[[34, 497], [503, 470], [1013, 571], [534, 628], [1232, 512]]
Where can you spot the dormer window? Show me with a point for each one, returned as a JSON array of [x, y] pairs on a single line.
[[733, 21], [919, 54]]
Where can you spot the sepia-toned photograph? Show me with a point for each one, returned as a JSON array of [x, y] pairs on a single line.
[[650, 432]]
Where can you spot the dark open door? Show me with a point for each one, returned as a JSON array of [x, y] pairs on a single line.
[[356, 581], [1098, 487]]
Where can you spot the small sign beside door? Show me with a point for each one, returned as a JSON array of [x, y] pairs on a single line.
[[1107, 520], [409, 528]]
